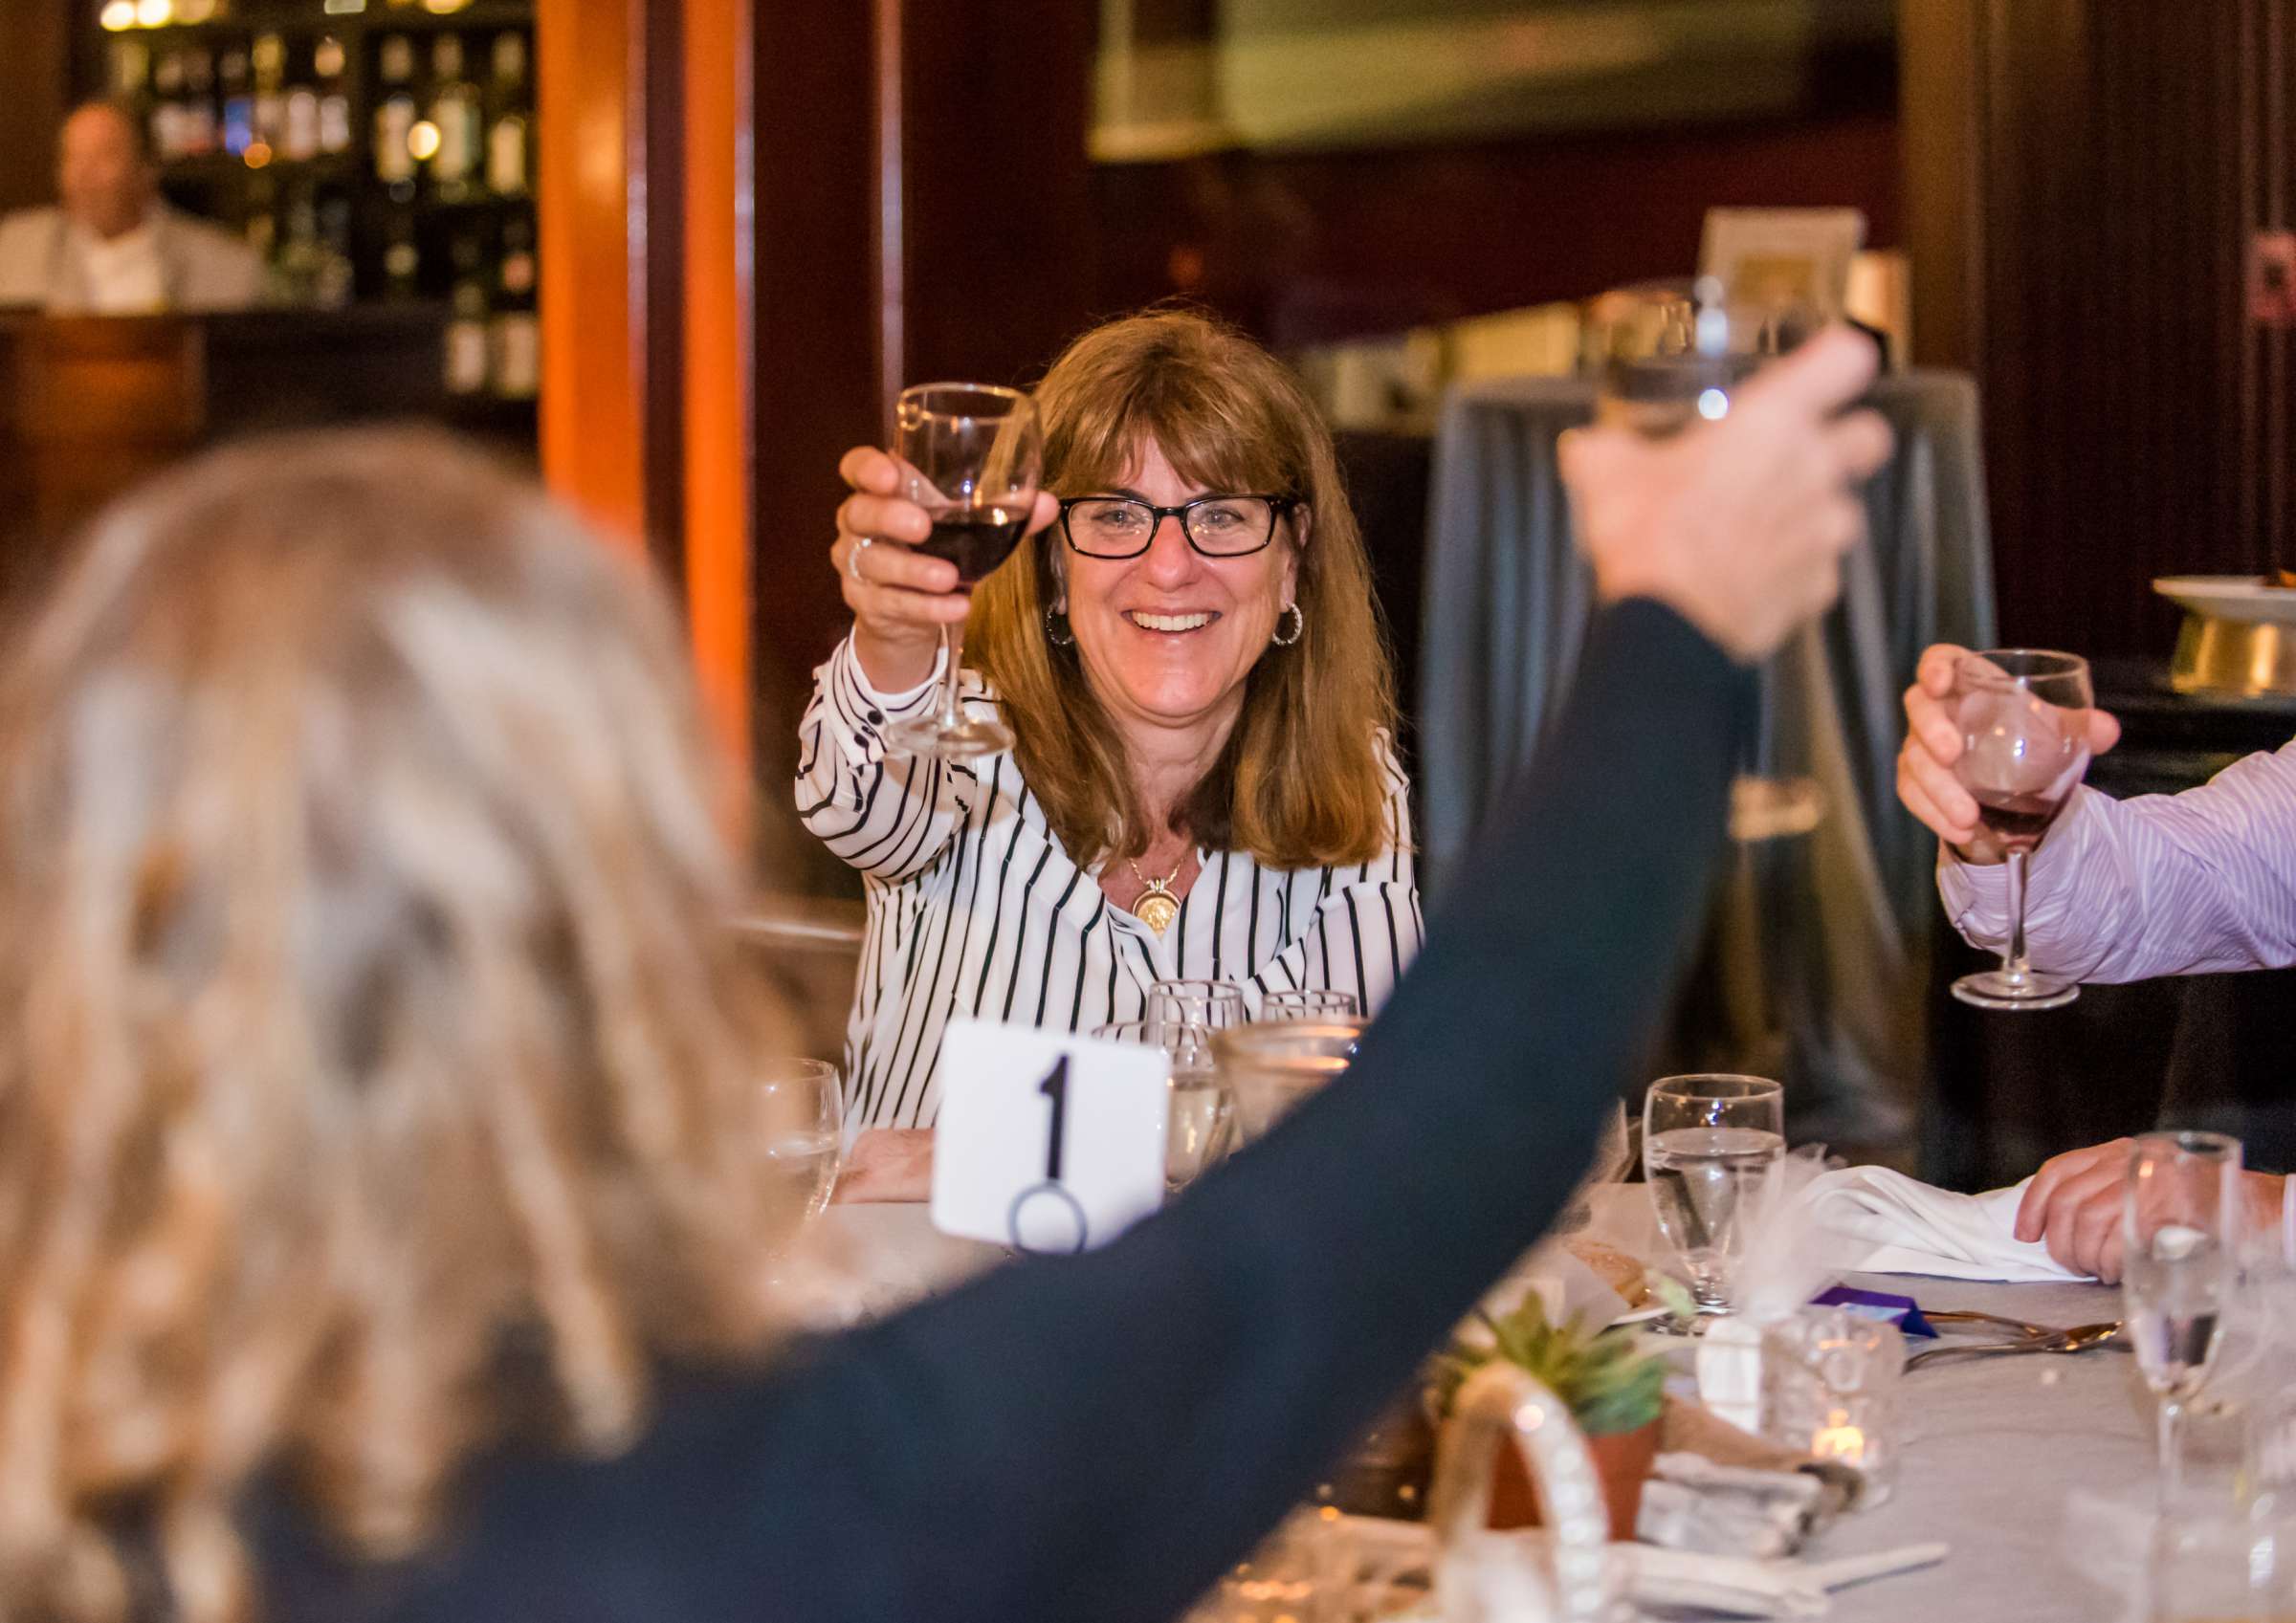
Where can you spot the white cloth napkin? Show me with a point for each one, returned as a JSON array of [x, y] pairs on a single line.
[[1877, 1222]]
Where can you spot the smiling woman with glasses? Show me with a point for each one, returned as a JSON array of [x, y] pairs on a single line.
[[1188, 655]]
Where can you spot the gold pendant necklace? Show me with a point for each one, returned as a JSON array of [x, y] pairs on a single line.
[[1156, 907]]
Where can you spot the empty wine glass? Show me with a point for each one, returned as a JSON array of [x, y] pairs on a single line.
[[1202, 1117], [801, 1104], [2023, 715], [2180, 1260], [971, 456], [1668, 356], [1308, 1003], [1707, 1141]]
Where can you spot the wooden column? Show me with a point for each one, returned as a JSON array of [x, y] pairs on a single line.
[[35, 74]]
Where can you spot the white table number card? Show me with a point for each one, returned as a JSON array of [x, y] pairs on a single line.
[[1047, 1142]]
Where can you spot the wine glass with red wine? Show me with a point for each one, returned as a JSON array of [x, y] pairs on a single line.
[[2023, 715], [971, 456]]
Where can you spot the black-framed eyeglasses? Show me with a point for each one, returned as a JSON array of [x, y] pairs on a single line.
[[1117, 527]]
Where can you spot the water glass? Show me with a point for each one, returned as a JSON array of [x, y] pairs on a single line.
[[2181, 1262], [1829, 1390], [1707, 1141], [2235, 1566], [1214, 1005], [802, 1104], [1309, 1003], [1202, 1119], [1269, 1067]]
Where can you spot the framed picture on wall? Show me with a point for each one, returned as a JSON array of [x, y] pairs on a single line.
[[1787, 255]]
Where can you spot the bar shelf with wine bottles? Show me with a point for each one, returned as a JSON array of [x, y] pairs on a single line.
[[373, 151]]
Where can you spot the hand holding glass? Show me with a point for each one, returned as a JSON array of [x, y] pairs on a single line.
[[971, 456], [2023, 715]]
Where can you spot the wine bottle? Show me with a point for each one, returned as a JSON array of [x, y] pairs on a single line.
[[510, 120], [456, 113], [327, 65], [270, 62], [395, 119], [401, 257], [468, 362], [517, 339], [238, 107]]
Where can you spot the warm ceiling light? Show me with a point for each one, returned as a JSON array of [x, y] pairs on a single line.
[[195, 11], [154, 14], [118, 14], [422, 140], [444, 8]]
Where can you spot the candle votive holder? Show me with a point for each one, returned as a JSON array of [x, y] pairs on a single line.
[[1829, 1390]]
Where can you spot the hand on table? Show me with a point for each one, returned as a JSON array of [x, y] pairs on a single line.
[[900, 599], [886, 1163], [1738, 525], [1926, 783], [2073, 1205]]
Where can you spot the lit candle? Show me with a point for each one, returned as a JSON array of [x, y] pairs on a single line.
[[1839, 1439]]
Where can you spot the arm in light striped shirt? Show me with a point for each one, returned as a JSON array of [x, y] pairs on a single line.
[[885, 812], [1367, 925], [2163, 885]]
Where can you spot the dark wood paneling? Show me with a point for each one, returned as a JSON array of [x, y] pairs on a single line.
[[1308, 247], [2088, 179], [35, 75]]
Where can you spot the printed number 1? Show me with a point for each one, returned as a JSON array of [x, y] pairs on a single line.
[[1056, 1087]]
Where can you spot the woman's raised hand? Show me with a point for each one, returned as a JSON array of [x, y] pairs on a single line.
[[1738, 525], [900, 598]]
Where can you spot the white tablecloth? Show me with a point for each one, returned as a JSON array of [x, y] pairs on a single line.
[[1996, 1448]]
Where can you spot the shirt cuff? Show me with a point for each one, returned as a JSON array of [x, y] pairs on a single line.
[[1977, 895], [894, 704]]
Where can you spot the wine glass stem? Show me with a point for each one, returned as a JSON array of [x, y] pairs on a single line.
[[2171, 1454], [2013, 961], [951, 641]]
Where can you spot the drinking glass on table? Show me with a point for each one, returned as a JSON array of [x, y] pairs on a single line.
[[1668, 356], [801, 1104], [1308, 1003], [1708, 1140], [2023, 715], [1201, 1127], [971, 456], [1212, 1005], [2179, 1265]]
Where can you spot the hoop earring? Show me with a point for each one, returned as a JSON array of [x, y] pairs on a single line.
[[1056, 629], [1299, 627]]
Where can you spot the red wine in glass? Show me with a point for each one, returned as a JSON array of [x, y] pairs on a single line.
[[976, 539], [2017, 821]]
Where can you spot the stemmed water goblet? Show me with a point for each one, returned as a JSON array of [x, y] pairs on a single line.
[[2179, 1267]]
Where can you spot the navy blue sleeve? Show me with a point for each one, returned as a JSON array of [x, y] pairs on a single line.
[[1098, 1437]]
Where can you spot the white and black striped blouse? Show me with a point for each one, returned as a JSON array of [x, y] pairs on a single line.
[[975, 908]]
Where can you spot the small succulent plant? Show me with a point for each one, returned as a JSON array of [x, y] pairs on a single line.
[[1610, 1383]]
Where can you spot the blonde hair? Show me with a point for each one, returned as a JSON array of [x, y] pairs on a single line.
[[1300, 783], [375, 1070]]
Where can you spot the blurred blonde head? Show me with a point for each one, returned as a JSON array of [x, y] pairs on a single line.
[[1299, 782], [374, 1067]]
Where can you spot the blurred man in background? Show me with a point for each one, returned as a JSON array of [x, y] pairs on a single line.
[[112, 247]]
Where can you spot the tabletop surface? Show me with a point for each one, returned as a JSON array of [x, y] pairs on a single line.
[[2038, 1471]]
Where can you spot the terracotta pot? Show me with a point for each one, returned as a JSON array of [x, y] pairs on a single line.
[[1621, 1459]]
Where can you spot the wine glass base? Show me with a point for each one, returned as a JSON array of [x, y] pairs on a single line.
[[974, 736], [1996, 989]]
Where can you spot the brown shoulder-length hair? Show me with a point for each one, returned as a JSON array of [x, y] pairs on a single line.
[[376, 1071], [1301, 783]]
